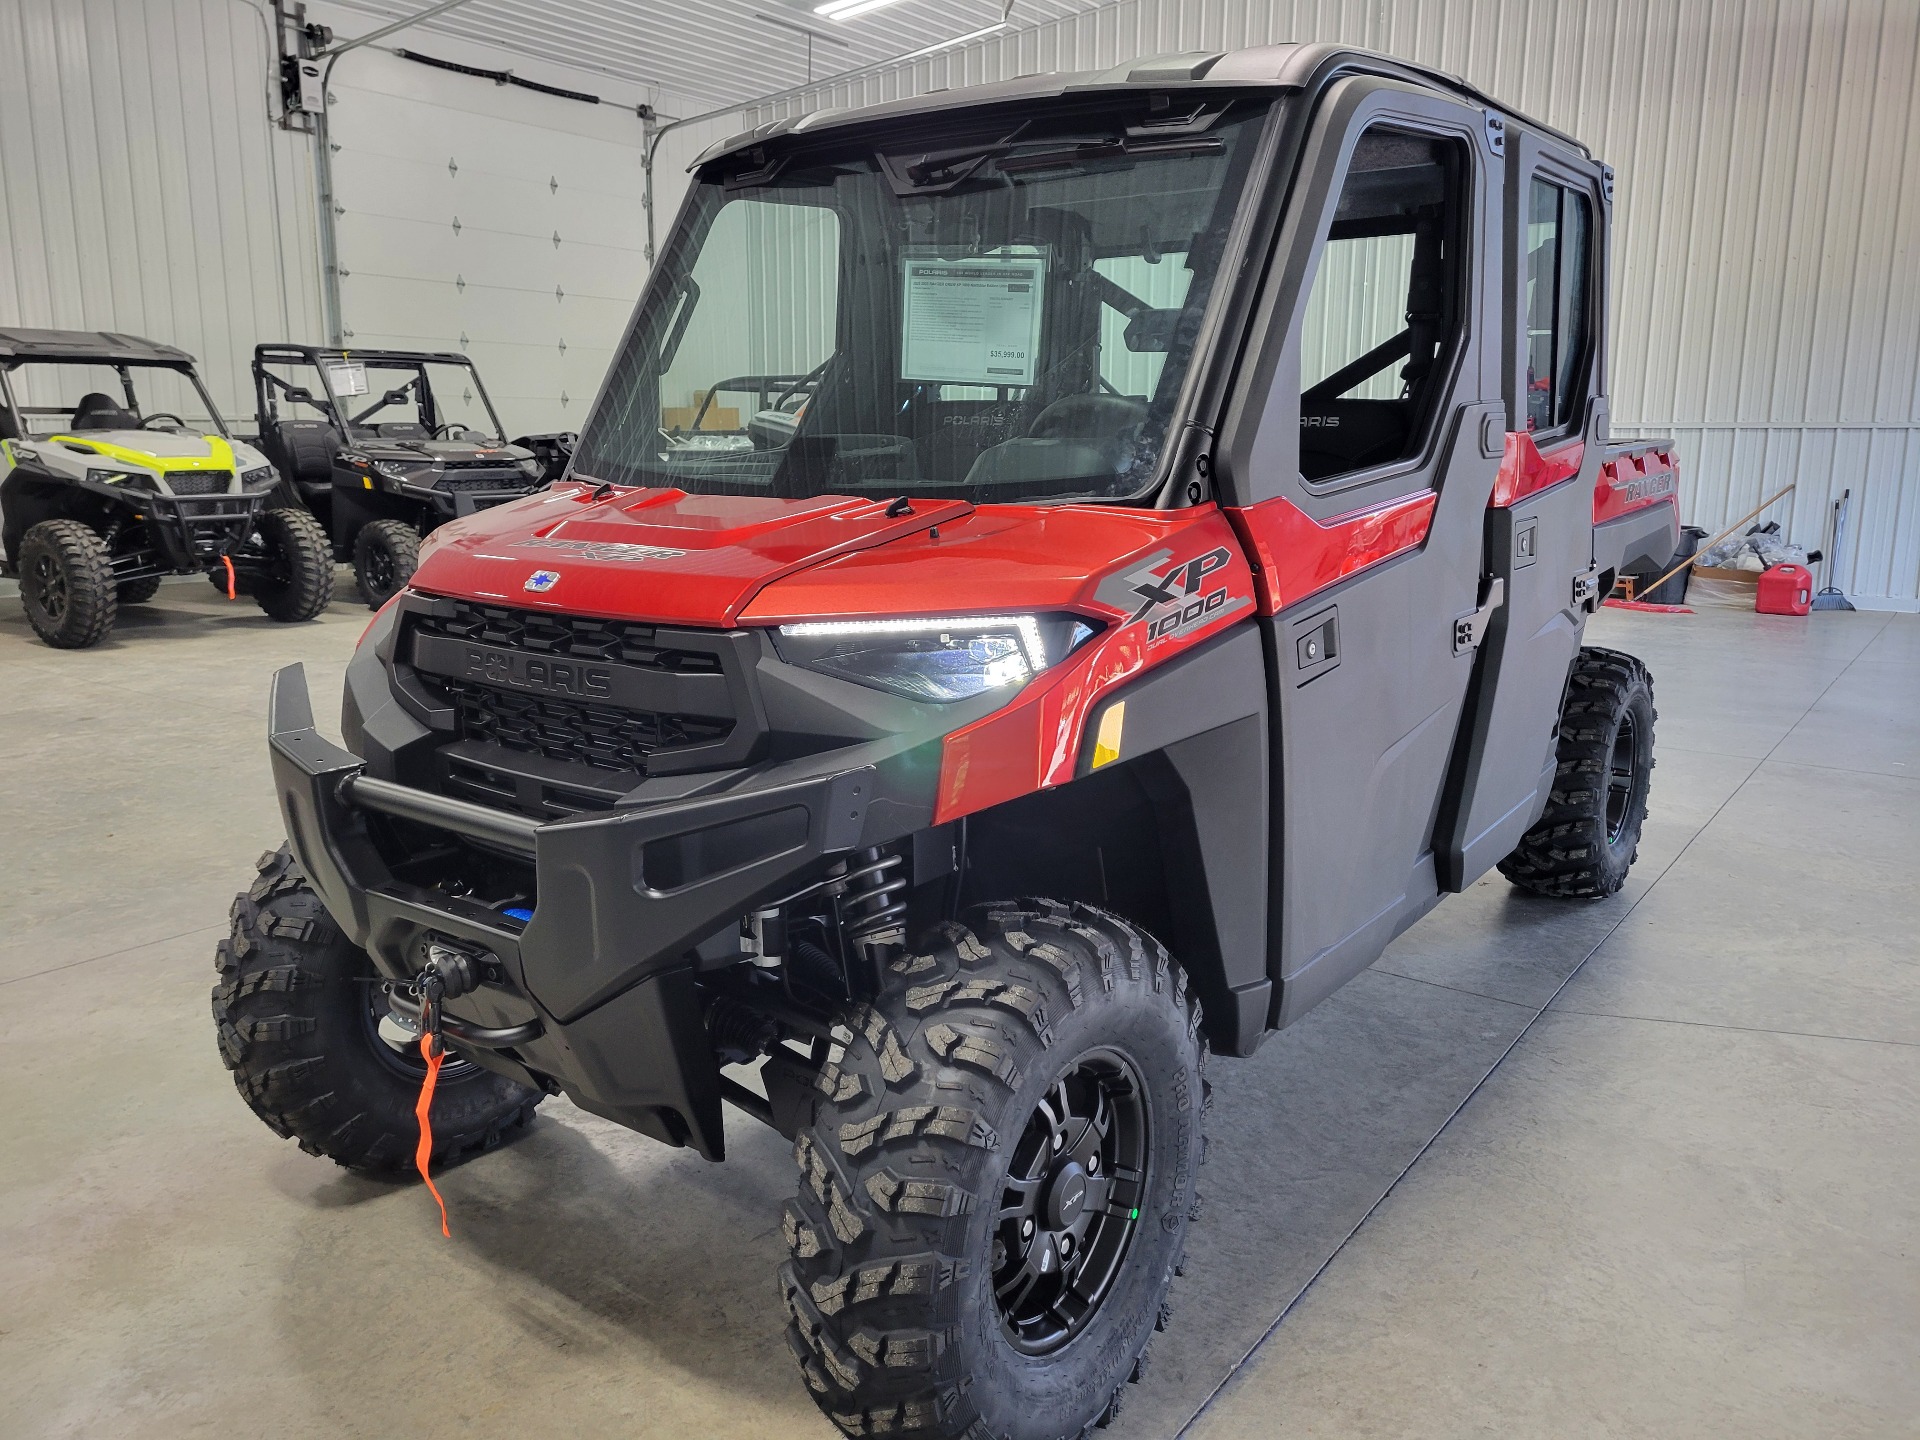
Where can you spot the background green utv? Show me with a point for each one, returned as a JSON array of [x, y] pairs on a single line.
[[99, 498]]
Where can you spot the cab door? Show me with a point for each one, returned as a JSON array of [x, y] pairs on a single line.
[[1539, 521], [1357, 461]]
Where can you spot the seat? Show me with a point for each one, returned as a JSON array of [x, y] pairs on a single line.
[[1077, 437], [99, 412], [307, 448]]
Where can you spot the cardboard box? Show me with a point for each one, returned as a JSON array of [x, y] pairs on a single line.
[[1715, 572], [718, 417]]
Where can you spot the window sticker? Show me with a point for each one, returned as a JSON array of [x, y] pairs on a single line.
[[974, 321], [347, 377]]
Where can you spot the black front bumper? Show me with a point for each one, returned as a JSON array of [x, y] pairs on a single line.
[[597, 991], [193, 532]]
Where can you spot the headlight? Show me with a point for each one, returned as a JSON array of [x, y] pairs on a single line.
[[398, 473], [259, 475], [940, 658], [137, 479]]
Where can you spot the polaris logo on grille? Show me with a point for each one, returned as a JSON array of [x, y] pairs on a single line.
[[549, 677], [541, 581]]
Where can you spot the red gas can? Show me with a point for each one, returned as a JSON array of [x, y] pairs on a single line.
[[1785, 590]]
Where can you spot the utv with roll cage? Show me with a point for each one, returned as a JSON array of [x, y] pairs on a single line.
[[1135, 565], [99, 501], [382, 446]]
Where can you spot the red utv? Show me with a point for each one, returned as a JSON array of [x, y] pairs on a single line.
[[1059, 575]]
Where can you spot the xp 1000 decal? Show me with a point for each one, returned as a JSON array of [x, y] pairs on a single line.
[[1176, 596]]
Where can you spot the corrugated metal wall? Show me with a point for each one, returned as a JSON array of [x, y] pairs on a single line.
[[1767, 249], [143, 187]]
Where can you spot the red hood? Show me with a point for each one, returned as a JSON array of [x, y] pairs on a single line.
[[720, 560], [660, 555]]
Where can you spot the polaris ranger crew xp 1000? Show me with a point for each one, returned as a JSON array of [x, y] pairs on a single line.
[[384, 445], [100, 500], [1058, 576]]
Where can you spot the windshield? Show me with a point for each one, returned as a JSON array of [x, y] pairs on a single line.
[[385, 399], [53, 399], [1010, 317]]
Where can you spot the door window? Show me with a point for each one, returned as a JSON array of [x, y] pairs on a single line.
[[1559, 241], [1383, 317]]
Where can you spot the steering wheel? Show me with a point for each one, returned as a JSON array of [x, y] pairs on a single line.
[[451, 430], [162, 415]]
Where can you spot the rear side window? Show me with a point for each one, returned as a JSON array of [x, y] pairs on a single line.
[[1559, 243]]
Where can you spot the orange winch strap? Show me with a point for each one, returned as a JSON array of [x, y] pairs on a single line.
[[227, 560], [432, 1053]]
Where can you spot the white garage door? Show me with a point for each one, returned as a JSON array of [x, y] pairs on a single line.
[[488, 219]]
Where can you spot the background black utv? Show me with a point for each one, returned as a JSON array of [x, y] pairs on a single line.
[[100, 500], [386, 466], [987, 1036]]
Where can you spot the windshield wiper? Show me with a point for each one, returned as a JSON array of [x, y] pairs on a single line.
[[931, 172], [1115, 147]]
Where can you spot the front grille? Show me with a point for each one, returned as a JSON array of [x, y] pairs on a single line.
[[565, 730], [199, 482], [570, 637], [581, 748], [496, 480]]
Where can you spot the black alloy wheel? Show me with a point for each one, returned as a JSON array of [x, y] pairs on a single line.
[[47, 587], [1071, 1202], [1624, 778]]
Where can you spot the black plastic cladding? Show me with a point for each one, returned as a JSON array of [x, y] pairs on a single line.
[[605, 964]]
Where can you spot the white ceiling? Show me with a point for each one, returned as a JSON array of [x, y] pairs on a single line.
[[715, 51]]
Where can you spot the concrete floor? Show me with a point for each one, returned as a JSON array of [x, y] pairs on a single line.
[[1641, 1167]]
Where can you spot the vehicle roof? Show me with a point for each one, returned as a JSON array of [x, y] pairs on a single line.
[[314, 353], [1275, 67], [87, 347]]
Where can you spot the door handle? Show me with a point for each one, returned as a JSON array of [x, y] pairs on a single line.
[[1469, 629]]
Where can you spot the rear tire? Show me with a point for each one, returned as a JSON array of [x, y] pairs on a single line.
[[385, 555], [943, 1176], [137, 592], [1589, 836], [295, 1026], [66, 584], [298, 583]]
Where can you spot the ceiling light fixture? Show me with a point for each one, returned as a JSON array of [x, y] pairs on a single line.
[[847, 9], [938, 46]]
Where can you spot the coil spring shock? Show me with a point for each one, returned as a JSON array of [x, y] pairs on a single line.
[[873, 909]]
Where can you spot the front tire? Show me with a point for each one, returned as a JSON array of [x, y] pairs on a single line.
[[1589, 835], [296, 1017], [66, 584], [997, 1181], [385, 555], [298, 583], [137, 592]]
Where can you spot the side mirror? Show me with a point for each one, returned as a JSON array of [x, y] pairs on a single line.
[[299, 396]]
